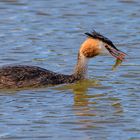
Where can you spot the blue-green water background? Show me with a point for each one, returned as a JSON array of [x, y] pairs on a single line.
[[48, 33]]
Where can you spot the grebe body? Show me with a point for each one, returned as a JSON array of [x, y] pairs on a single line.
[[22, 76]]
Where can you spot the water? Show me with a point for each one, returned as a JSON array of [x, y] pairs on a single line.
[[48, 34]]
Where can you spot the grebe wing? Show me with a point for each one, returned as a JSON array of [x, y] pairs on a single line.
[[28, 76], [23, 72]]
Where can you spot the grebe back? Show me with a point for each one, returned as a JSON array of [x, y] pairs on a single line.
[[22, 76]]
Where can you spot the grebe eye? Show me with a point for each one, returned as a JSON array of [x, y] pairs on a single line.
[[107, 47]]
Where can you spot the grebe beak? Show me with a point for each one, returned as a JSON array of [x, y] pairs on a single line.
[[115, 52]]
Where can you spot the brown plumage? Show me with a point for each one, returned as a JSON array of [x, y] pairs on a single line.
[[90, 48], [23, 76]]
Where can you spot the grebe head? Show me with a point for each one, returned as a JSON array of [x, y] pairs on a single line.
[[96, 44]]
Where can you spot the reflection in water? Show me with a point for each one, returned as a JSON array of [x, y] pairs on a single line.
[[80, 91], [82, 99], [92, 104]]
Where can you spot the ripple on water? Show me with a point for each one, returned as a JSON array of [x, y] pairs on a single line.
[[48, 34]]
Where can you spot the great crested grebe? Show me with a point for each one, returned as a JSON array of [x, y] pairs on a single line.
[[22, 76]]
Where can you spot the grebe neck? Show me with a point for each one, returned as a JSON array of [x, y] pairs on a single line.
[[80, 71]]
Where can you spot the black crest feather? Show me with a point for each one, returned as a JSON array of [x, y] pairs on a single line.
[[97, 35]]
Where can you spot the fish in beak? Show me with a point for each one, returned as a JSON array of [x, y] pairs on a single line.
[[115, 52], [119, 55]]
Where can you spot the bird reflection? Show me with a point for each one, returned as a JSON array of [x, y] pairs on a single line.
[[93, 111], [88, 104]]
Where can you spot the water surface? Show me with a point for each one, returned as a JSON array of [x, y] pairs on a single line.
[[48, 34]]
